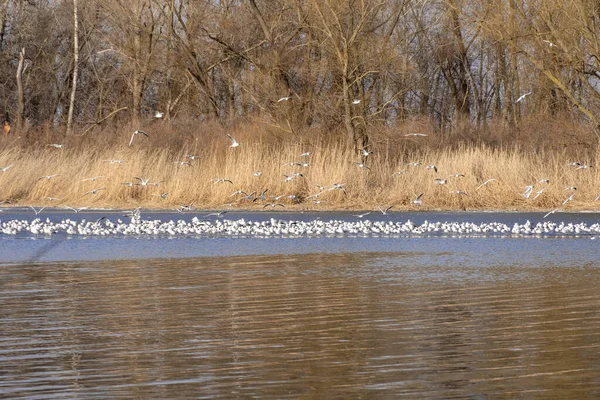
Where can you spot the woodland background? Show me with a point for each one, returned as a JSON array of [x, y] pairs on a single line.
[[450, 67]]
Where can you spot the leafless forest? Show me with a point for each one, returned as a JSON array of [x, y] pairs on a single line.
[[486, 70]]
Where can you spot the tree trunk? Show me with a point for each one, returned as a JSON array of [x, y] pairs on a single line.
[[19, 117], [75, 69]]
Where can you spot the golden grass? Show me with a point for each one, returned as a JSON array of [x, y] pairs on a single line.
[[330, 162]]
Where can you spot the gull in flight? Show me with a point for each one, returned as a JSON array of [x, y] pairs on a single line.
[[257, 173], [485, 183], [364, 152], [522, 97], [161, 195], [53, 198], [284, 99], [568, 199], [433, 167], [234, 142], [4, 169], [159, 114], [273, 205], [418, 201], [527, 192], [186, 207], [114, 161], [191, 157], [305, 154], [216, 214], [544, 181], [221, 180], [362, 215], [56, 145], [584, 166], [439, 181], [93, 191], [37, 212], [361, 165], [538, 193], [76, 210], [143, 182], [48, 177], [385, 212], [552, 212], [137, 133], [413, 164], [415, 134], [356, 101], [95, 178]]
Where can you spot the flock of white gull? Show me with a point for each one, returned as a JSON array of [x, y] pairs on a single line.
[[135, 225]]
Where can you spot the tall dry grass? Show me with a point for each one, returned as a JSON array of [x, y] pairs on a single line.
[[270, 153]]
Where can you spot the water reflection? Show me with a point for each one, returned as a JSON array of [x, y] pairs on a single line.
[[350, 325]]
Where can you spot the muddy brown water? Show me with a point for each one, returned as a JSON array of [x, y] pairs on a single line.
[[422, 322]]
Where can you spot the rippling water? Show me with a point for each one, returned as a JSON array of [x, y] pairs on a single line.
[[301, 318]]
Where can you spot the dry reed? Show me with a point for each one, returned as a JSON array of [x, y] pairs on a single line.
[[331, 162]]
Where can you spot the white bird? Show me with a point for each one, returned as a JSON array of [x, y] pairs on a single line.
[[95, 178], [552, 212], [584, 166], [284, 99], [189, 164], [273, 205], [361, 165], [364, 152], [362, 215], [485, 183], [4, 169], [544, 181], [356, 101], [568, 199], [415, 134], [191, 157], [257, 173], [159, 114], [527, 192], [56, 145], [53, 198], [114, 161], [221, 180], [135, 133], [522, 97], [549, 43], [161, 195], [94, 191], [48, 177], [37, 212], [216, 214], [234, 143], [385, 212], [418, 201], [433, 167], [143, 182], [305, 154], [414, 164], [439, 181], [538, 193]]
